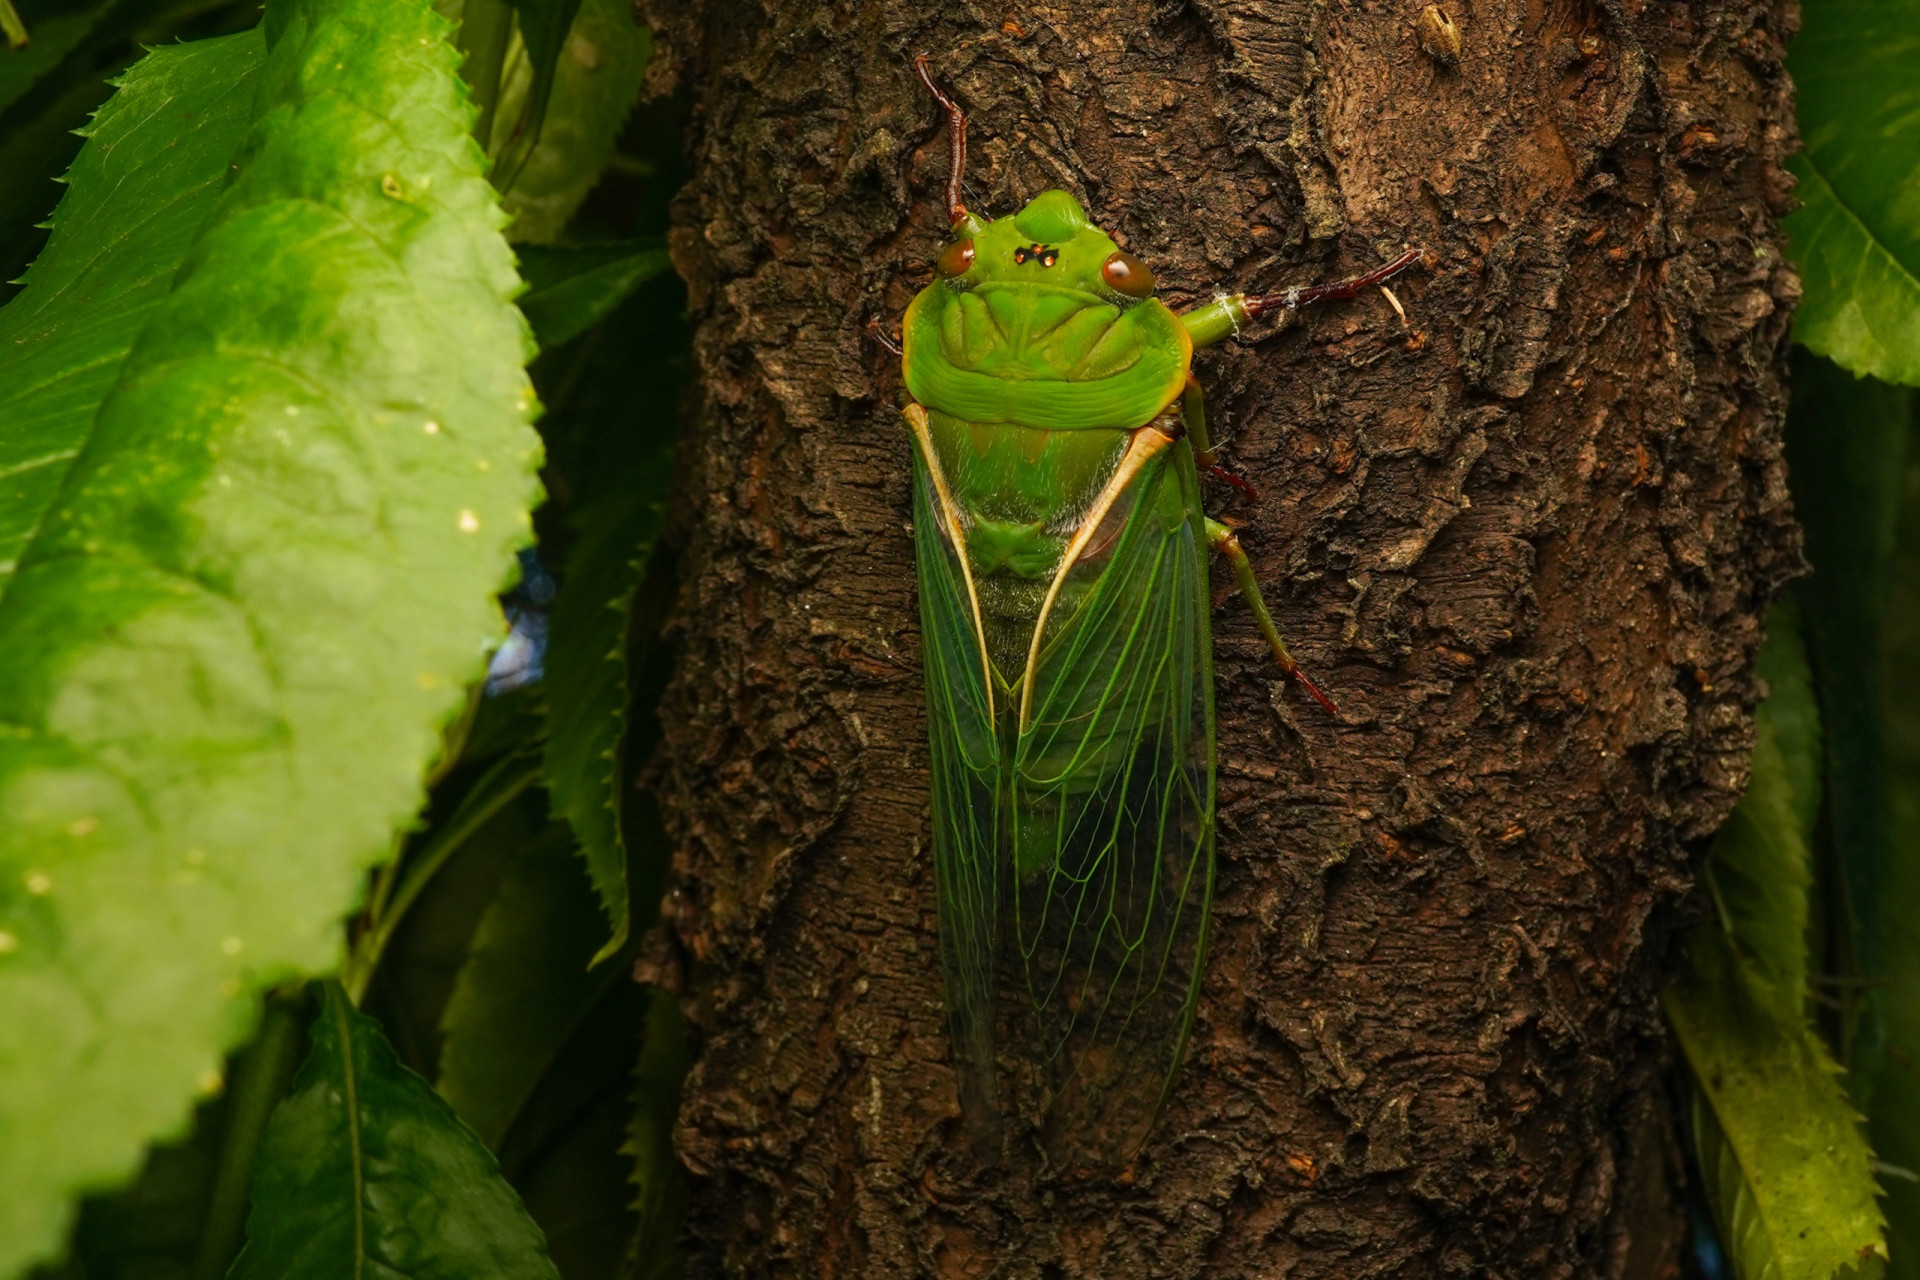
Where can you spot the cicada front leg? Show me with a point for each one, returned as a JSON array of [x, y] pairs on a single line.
[[1214, 322], [1222, 539], [1193, 411], [1229, 313]]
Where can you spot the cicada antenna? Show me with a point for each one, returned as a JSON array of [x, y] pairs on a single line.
[[956, 142]]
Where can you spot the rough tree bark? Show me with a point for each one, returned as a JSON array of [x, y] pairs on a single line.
[[1527, 537]]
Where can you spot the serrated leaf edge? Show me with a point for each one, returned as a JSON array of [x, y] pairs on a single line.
[[1817, 340], [1764, 999]]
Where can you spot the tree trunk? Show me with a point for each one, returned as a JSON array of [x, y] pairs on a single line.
[[1525, 536]]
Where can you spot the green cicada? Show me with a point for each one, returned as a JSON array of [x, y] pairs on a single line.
[[1062, 557]]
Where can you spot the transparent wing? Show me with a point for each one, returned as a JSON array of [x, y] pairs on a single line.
[[1112, 820], [968, 823]]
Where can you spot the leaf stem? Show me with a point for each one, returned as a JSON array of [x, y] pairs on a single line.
[[16, 30], [384, 880], [495, 790], [262, 1078], [336, 1010], [486, 28]]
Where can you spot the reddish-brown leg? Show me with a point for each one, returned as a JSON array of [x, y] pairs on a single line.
[[1259, 304], [1246, 489]]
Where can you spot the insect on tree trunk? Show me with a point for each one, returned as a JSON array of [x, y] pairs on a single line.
[[1524, 533]]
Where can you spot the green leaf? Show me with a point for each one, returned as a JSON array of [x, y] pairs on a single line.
[[596, 74], [1845, 440], [1786, 1169], [1861, 304], [587, 691], [541, 29], [39, 131], [524, 986], [1856, 241], [137, 196], [1895, 1114], [365, 1171], [1761, 871], [614, 443], [486, 34], [571, 290], [32, 157], [263, 586]]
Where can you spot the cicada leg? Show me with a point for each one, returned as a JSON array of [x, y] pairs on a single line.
[[1193, 415], [1222, 539], [956, 143], [1193, 412], [878, 333], [1228, 313]]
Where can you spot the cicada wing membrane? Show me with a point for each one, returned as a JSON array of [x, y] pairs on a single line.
[[969, 836], [1111, 824]]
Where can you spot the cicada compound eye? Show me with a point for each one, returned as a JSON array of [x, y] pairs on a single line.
[[955, 258], [1128, 274]]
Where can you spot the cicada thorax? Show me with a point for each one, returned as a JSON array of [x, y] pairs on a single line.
[[1021, 492], [1041, 320]]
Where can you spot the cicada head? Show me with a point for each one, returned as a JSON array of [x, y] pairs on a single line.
[[1049, 248], [1043, 296]]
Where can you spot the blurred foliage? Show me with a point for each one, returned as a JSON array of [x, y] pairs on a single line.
[[492, 953], [1895, 1112], [1811, 954], [1779, 1152], [1856, 237], [258, 572]]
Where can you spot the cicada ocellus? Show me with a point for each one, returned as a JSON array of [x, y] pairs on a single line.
[[1062, 559]]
